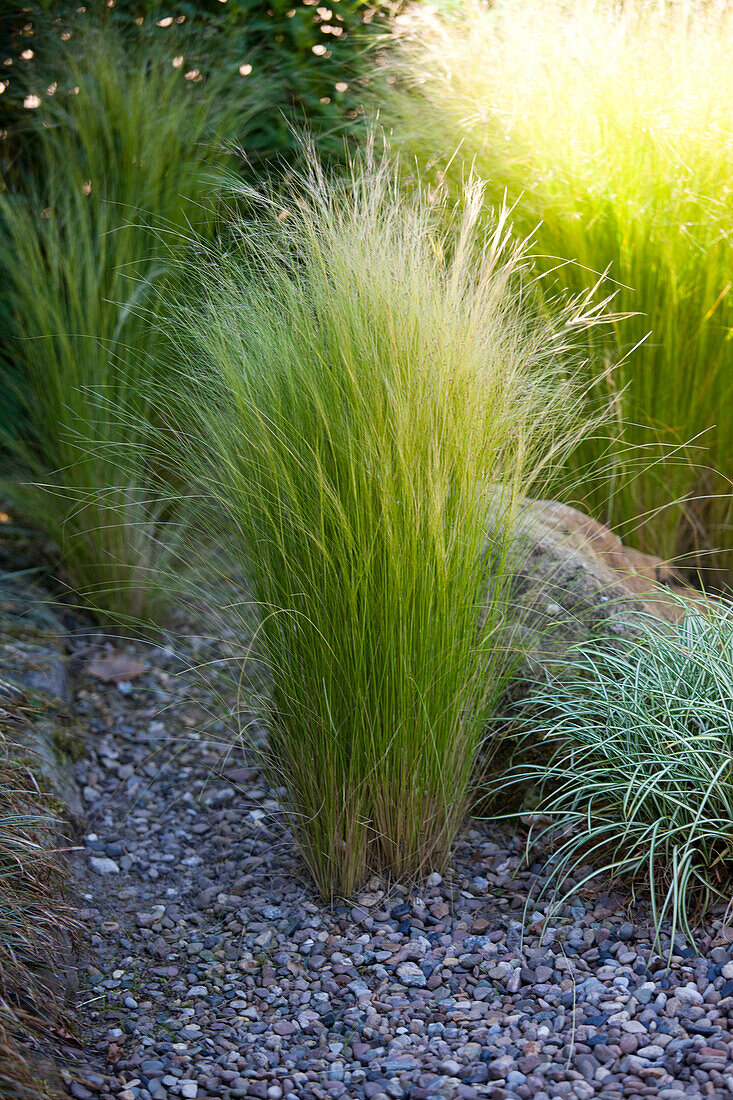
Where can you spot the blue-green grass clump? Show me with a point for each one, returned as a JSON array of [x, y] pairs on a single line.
[[639, 735]]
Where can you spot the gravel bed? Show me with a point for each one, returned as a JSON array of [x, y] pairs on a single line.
[[214, 971]]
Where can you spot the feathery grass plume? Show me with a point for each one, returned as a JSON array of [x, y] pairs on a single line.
[[86, 244], [369, 389], [640, 738], [610, 125]]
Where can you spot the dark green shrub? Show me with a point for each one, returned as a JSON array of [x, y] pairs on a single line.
[[314, 56]]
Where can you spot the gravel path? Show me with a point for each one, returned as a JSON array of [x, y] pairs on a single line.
[[213, 971]]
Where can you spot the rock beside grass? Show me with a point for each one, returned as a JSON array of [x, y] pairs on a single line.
[[576, 579], [34, 683]]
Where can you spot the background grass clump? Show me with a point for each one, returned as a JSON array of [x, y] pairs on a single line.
[[610, 127], [87, 239], [639, 735], [370, 391]]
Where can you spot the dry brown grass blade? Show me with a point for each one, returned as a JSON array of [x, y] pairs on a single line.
[[33, 922]]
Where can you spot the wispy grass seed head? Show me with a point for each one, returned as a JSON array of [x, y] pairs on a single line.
[[369, 387]]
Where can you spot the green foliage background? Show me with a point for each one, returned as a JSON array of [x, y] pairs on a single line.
[[318, 57], [294, 88]]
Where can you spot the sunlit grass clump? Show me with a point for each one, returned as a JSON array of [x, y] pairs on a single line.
[[611, 127], [639, 785], [117, 168], [369, 391]]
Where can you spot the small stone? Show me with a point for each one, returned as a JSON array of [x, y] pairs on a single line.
[[152, 1068], [434, 879], [103, 865], [359, 988], [410, 974], [652, 1051], [398, 1064], [189, 1089], [307, 1018], [451, 1067], [80, 1092], [514, 981], [689, 994], [587, 1065], [190, 1031]]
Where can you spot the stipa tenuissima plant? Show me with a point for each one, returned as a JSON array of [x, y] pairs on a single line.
[[368, 389], [610, 126], [87, 240], [640, 778]]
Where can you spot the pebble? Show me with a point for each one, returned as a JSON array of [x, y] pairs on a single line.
[[411, 975], [651, 1051], [102, 865]]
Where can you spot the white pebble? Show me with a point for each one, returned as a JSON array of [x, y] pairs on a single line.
[[102, 865]]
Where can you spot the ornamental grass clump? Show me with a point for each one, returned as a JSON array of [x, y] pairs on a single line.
[[118, 159], [610, 126], [639, 783], [33, 919], [369, 389]]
